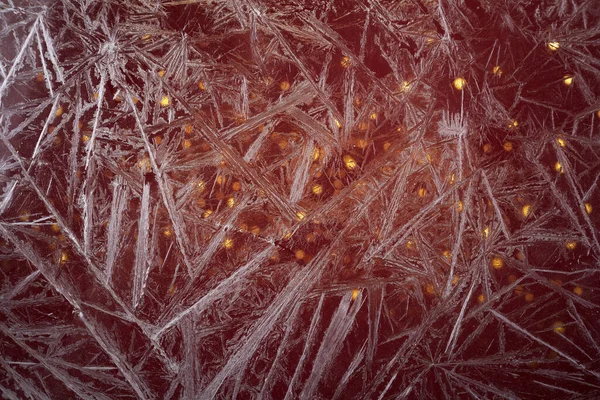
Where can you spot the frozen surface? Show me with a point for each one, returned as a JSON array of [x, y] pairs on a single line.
[[300, 199]]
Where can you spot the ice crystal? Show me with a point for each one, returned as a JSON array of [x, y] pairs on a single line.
[[283, 199]]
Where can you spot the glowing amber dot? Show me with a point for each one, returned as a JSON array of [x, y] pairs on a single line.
[[186, 144], [349, 162], [200, 186], [59, 111], [497, 70], [598, 113], [85, 138], [559, 168], [55, 228], [561, 142], [361, 143], [316, 153], [508, 146], [410, 245], [571, 245], [422, 192], [230, 202], [568, 80], [317, 189], [513, 124], [497, 262], [459, 83], [161, 73], [39, 77], [345, 62], [158, 140], [201, 86], [481, 298], [228, 243], [64, 257], [526, 210], [207, 213], [255, 230], [337, 123], [447, 254], [283, 144], [363, 126], [486, 232], [452, 178], [386, 146], [529, 297], [487, 148], [588, 208], [220, 179], [578, 290], [429, 289], [455, 280], [459, 206], [404, 87], [96, 96], [144, 164], [373, 116], [299, 254], [553, 46], [172, 289], [559, 327], [165, 101], [355, 293], [188, 129], [236, 186], [285, 85], [300, 215], [168, 232]]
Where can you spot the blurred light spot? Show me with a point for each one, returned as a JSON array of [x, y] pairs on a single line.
[[459, 83], [553, 46], [497, 262], [349, 162]]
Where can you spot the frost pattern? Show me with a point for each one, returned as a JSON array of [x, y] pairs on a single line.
[[315, 200]]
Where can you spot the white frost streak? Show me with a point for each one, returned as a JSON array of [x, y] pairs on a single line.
[[119, 204], [300, 283], [17, 62], [339, 328], [141, 266]]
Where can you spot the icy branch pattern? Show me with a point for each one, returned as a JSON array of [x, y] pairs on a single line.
[[279, 200]]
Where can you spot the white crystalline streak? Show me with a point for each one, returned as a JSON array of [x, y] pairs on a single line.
[[119, 203], [141, 267], [452, 126]]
